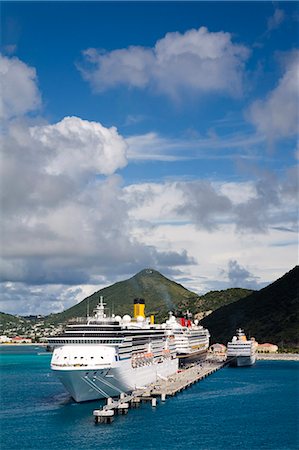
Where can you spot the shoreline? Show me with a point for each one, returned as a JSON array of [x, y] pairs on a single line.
[[278, 357], [260, 356], [34, 344]]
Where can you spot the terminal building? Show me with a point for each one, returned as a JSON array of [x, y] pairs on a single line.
[[267, 348]]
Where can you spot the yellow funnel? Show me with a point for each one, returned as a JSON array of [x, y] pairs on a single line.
[[139, 307]]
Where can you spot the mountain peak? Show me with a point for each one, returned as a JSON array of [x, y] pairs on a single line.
[[147, 273]]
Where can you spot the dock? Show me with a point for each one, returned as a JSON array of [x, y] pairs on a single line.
[[162, 388]]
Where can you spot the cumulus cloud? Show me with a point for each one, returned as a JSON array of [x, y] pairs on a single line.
[[276, 116], [61, 224], [51, 161], [19, 91], [197, 61], [206, 207], [80, 146], [239, 276]]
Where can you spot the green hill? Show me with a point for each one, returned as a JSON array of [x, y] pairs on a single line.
[[161, 295], [215, 299], [270, 315], [10, 320]]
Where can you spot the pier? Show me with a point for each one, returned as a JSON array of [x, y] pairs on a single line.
[[160, 389]]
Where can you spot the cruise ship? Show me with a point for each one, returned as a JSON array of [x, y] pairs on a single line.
[[240, 351], [101, 356], [191, 340]]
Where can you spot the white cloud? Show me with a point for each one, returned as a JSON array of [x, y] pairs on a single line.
[[19, 91], [260, 254], [204, 205], [250, 207], [61, 224], [80, 146], [276, 20], [154, 147], [197, 61], [277, 115]]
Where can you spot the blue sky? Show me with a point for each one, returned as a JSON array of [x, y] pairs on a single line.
[[146, 134]]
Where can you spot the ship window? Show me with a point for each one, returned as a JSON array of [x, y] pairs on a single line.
[[75, 357], [91, 357], [81, 357]]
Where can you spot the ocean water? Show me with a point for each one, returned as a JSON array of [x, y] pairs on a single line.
[[235, 408]]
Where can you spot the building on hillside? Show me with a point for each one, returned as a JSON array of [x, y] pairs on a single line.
[[267, 348], [4, 339], [217, 349], [21, 340]]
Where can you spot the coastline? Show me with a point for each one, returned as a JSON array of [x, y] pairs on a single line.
[[34, 344], [278, 356], [260, 356]]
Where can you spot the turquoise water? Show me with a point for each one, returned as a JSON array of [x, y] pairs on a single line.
[[235, 408]]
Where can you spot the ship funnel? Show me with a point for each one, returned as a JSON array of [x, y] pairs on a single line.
[[139, 307]]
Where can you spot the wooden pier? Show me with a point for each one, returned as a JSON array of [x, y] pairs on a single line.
[[162, 389]]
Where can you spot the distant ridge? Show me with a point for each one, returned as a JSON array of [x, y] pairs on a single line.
[[271, 314]]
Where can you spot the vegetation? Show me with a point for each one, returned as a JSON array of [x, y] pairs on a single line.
[[161, 295], [215, 299], [8, 320], [270, 315]]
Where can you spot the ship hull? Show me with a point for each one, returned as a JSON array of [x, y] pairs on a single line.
[[243, 361], [88, 384]]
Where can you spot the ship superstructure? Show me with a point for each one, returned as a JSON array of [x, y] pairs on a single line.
[[191, 340], [240, 351], [102, 356]]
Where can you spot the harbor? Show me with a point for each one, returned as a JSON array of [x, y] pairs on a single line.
[[47, 418], [159, 390]]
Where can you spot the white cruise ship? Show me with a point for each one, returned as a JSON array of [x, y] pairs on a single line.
[[191, 340], [100, 357], [240, 351]]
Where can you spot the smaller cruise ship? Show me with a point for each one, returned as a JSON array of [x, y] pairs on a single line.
[[191, 340], [240, 351]]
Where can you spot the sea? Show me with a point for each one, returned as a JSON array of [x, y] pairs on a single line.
[[235, 408]]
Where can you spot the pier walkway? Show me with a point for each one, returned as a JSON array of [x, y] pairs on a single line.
[[181, 380], [162, 388]]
